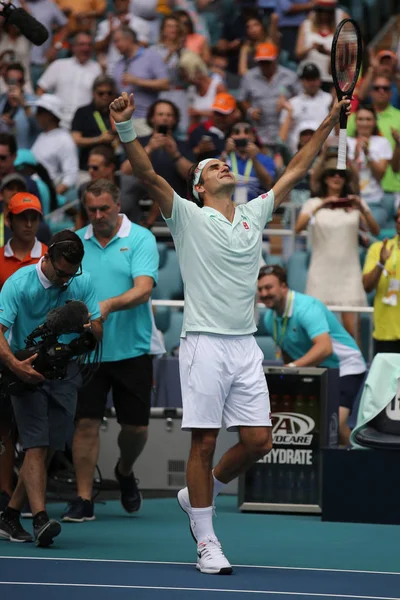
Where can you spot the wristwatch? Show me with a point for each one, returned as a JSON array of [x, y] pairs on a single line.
[[58, 45]]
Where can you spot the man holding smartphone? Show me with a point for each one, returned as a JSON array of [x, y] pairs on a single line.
[[254, 171]]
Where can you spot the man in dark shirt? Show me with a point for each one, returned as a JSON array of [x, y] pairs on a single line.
[[91, 124], [207, 140], [170, 157]]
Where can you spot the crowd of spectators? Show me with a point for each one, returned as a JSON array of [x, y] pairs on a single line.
[[224, 79]]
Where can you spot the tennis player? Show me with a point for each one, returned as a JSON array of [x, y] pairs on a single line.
[[222, 379]]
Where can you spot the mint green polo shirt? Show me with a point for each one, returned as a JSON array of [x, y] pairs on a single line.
[[387, 119], [219, 262], [131, 253]]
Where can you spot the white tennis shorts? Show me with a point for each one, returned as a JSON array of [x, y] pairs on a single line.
[[222, 381]]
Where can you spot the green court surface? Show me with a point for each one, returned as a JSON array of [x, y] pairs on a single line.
[[159, 532]]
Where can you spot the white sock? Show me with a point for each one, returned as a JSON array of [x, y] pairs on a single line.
[[203, 525], [218, 486]]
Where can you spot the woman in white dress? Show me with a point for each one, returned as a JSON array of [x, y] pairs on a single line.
[[315, 37], [334, 275]]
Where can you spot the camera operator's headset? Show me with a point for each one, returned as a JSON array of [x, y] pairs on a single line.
[[50, 252]]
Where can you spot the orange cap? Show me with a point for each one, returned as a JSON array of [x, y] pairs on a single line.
[[24, 201], [266, 51], [224, 103], [385, 54]]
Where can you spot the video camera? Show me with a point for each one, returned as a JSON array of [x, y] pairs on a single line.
[[53, 356]]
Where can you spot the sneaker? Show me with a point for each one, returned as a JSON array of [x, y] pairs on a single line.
[[4, 500], [131, 498], [184, 503], [12, 530], [26, 511], [78, 511], [45, 532], [211, 559]]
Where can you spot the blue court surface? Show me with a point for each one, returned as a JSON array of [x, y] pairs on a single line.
[[150, 556], [49, 578]]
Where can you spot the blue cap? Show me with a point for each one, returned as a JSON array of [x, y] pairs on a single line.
[[25, 157]]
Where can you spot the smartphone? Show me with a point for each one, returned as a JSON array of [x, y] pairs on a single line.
[[241, 143], [342, 203], [162, 129]]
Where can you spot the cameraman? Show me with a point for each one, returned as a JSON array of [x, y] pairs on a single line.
[[44, 414]]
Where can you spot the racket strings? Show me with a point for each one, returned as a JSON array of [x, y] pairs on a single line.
[[346, 57]]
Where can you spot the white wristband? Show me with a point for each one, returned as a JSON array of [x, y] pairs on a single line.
[[126, 131], [291, 364]]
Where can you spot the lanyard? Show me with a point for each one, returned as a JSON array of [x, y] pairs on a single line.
[[99, 121], [285, 321], [247, 169]]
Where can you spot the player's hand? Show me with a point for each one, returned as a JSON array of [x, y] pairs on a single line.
[[337, 107], [23, 370], [385, 252], [122, 108]]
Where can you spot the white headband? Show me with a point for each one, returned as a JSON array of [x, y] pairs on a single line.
[[197, 175]]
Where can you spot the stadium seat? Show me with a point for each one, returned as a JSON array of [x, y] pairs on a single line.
[[162, 317], [163, 253], [267, 345], [170, 286], [173, 333], [297, 271]]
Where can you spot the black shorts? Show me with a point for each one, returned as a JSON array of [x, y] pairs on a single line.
[[349, 387], [131, 382]]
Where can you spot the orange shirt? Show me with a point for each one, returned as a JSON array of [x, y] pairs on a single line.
[[10, 263]]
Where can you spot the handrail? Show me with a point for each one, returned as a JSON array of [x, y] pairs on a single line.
[[334, 308]]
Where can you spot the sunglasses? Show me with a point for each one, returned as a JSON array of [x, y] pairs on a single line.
[[63, 274], [93, 167], [245, 130], [4, 157], [396, 218], [385, 88], [333, 172], [105, 93], [267, 270]]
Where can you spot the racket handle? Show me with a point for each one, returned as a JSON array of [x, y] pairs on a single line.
[[342, 150]]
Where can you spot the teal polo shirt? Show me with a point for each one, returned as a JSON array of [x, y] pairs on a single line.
[[131, 253], [219, 262], [306, 319], [386, 120], [27, 296]]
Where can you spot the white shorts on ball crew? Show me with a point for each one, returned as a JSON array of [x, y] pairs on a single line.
[[222, 381]]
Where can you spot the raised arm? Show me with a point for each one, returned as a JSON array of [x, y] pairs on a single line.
[[121, 110], [302, 161]]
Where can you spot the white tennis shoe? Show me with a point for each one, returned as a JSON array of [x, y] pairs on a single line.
[[184, 503], [211, 559]]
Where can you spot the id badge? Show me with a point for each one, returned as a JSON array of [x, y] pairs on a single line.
[[240, 196], [391, 298], [278, 353]]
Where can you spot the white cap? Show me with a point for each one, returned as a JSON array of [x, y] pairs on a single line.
[[50, 103]]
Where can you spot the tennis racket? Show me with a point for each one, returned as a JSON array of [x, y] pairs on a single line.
[[346, 55]]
